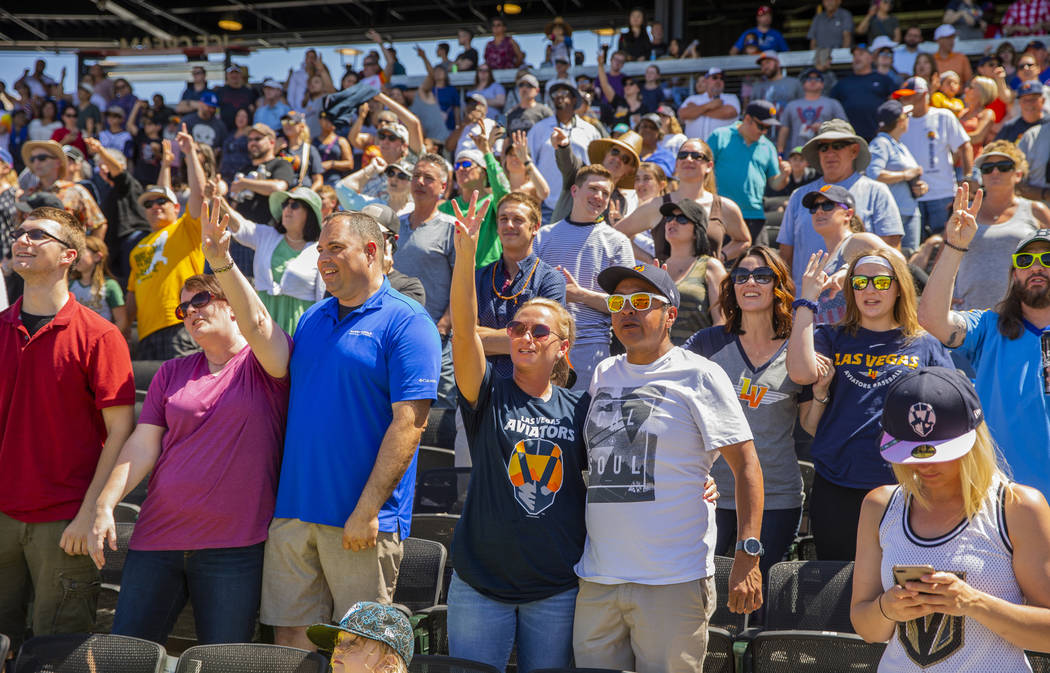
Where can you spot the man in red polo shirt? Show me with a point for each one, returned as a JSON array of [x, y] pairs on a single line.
[[67, 399]]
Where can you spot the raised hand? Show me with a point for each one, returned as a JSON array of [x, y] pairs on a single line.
[[215, 235], [521, 146], [93, 145], [825, 374], [468, 226], [184, 140], [374, 35], [962, 225], [559, 137], [167, 156], [814, 279], [481, 141]]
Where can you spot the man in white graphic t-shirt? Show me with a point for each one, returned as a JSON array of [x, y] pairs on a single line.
[[659, 417]]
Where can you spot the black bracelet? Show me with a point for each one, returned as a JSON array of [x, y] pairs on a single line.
[[805, 303], [955, 247]]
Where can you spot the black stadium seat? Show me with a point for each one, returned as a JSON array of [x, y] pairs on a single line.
[[89, 653]]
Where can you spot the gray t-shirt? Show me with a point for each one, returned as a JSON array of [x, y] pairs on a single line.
[[778, 92], [428, 253], [1035, 144], [523, 120], [982, 281], [827, 29], [803, 118], [769, 399]]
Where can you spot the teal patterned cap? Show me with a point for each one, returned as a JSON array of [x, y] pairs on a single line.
[[374, 621]]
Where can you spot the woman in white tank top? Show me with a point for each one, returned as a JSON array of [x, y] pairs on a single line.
[[987, 539]]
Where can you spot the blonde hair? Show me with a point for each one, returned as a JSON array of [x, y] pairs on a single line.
[[1011, 150], [709, 181], [905, 309], [380, 657], [100, 272], [566, 327], [978, 470], [986, 87]]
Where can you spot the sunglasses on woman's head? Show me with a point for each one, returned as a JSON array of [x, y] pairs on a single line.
[[640, 301], [197, 301], [1023, 260], [763, 275], [516, 329], [695, 156], [836, 145], [881, 282], [826, 206], [1004, 166]]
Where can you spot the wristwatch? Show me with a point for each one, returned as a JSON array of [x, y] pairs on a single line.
[[751, 546]]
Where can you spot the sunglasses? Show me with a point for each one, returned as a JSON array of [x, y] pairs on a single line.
[[1026, 65], [640, 301], [383, 135], [466, 163], [291, 203], [880, 282], [69, 114], [1004, 166], [826, 206], [36, 236], [763, 275], [197, 301], [695, 156], [1023, 260], [39, 157], [154, 202], [680, 218], [517, 329], [392, 172], [837, 145], [714, 77], [525, 85], [624, 156]]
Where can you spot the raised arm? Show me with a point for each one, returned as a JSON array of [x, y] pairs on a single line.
[[166, 161], [801, 355], [268, 342], [468, 352], [357, 139], [104, 156], [194, 172], [644, 218], [411, 122], [603, 79], [935, 307]]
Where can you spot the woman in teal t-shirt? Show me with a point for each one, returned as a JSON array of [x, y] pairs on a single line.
[[93, 287]]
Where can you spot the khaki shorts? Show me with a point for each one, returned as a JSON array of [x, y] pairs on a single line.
[[643, 628], [309, 578]]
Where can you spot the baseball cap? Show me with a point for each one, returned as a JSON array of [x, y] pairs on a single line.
[[209, 98], [860, 45], [834, 193], [39, 200], [399, 130], [989, 156], [153, 191], [477, 98], [385, 216], [72, 153], [293, 117], [795, 150], [713, 71], [764, 9], [889, 112], [270, 83], [1031, 87], [944, 30], [665, 111], [116, 110], [1035, 44], [690, 208], [471, 155], [529, 79], [383, 623], [882, 42], [1040, 235], [809, 72], [265, 130], [762, 111], [234, 68], [769, 53], [930, 415], [912, 86], [609, 278], [652, 117]]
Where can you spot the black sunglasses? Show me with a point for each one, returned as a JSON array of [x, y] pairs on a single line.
[[680, 218], [714, 77], [36, 236], [763, 275], [291, 203], [392, 172], [197, 301], [383, 135], [826, 206], [39, 157], [836, 145], [624, 155], [154, 202], [696, 156], [1004, 166]]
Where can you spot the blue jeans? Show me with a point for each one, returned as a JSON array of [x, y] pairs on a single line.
[[935, 213], [779, 527], [912, 231], [224, 586], [447, 393], [485, 630]]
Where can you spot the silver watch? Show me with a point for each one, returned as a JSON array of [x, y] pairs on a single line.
[[751, 546]]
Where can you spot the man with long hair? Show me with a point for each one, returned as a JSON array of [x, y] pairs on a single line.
[[1009, 345]]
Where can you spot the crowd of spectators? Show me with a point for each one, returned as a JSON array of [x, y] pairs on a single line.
[[624, 275]]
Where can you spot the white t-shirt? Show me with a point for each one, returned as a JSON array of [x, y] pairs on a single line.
[[484, 127], [932, 138], [702, 126], [652, 434]]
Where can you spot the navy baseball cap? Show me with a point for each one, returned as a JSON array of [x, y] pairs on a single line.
[[890, 112], [654, 275], [1029, 88], [834, 193], [763, 112], [930, 415]]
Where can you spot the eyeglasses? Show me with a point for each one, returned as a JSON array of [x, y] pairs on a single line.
[[36, 236], [695, 156], [880, 282], [39, 157], [383, 135], [466, 163], [763, 275], [291, 203], [197, 301], [836, 145], [154, 202], [1004, 166], [640, 301], [539, 332], [525, 85], [71, 115], [392, 172], [1023, 260], [622, 154], [826, 206]]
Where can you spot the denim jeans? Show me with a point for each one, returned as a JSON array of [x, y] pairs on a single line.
[[935, 213], [912, 231], [485, 630], [447, 393], [223, 584]]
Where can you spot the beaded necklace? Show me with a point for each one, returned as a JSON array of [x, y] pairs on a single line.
[[523, 286]]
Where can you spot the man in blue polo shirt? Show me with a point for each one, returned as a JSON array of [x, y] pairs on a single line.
[[1009, 346], [364, 374], [746, 161]]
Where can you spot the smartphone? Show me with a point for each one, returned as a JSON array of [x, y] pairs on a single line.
[[911, 573]]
